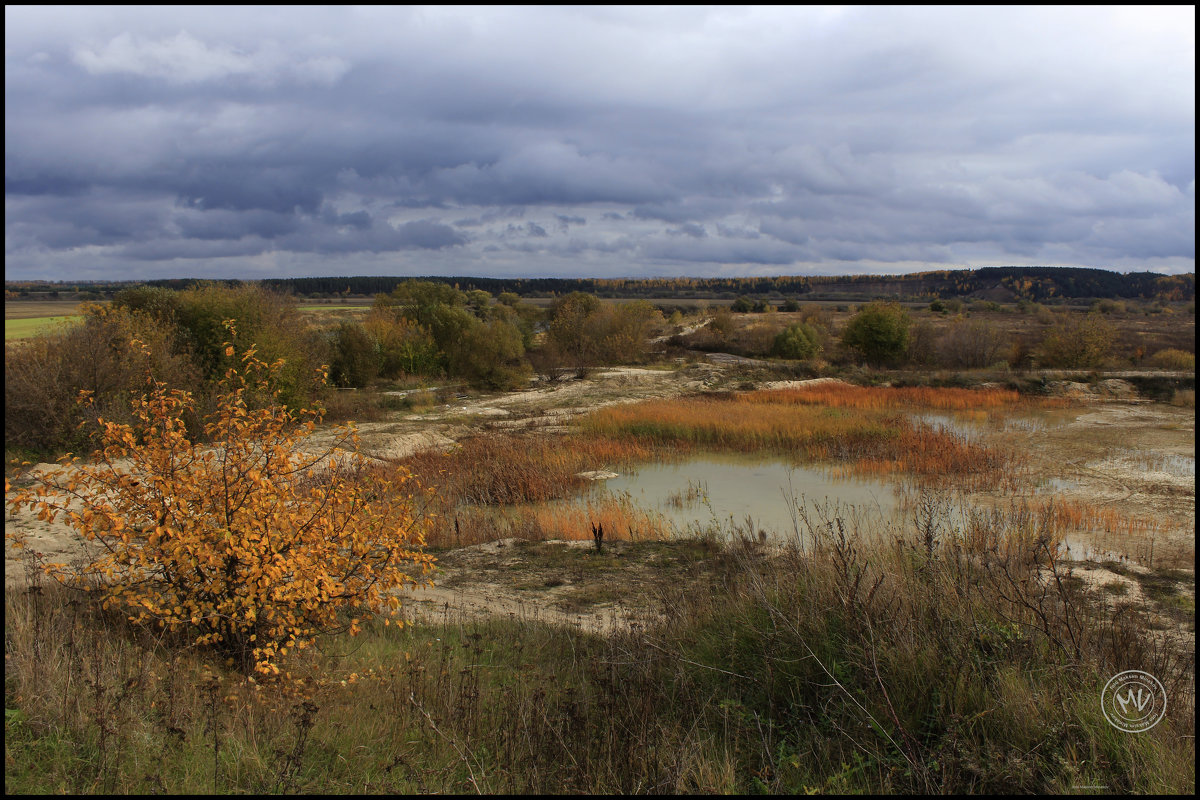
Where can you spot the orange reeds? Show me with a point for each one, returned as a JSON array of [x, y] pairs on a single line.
[[724, 422], [621, 518], [864, 434], [500, 470], [845, 395], [935, 457], [1074, 515]]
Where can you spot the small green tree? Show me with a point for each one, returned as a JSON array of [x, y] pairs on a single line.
[[879, 333], [405, 348], [568, 330]]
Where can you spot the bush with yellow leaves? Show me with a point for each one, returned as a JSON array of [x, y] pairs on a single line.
[[248, 541]]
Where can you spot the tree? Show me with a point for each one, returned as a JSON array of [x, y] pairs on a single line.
[[585, 331], [251, 543], [265, 319], [879, 332], [568, 330], [405, 348]]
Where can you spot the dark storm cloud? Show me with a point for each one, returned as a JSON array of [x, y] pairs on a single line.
[[696, 141]]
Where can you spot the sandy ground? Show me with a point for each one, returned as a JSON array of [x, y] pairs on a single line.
[[1131, 455]]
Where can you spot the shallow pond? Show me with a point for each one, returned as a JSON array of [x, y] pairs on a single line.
[[713, 488]]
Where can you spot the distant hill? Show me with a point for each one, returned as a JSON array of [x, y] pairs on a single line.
[[1000, 284]]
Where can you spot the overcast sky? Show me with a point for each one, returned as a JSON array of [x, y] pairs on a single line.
[[596, 142]]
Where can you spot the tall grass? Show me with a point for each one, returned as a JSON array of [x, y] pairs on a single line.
[[620, 517], [502, 470], [876, 398], [954, 653]]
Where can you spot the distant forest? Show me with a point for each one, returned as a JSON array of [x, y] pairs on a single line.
[[1000, 284]]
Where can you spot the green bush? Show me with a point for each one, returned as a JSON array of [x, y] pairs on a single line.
[[355, 356], [799, 341], [490, 355], [879, 333], [265, 319]]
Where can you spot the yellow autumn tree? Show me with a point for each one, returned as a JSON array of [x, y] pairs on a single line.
[[250, 540]]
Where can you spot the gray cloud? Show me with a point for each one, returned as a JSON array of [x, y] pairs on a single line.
[[604, 141]]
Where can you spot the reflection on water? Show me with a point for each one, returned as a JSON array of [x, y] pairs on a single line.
[[1027, 424], [1179, 466], [1057, 485], [946, 423], [738, 487]]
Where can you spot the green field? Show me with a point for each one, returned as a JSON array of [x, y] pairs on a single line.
[[34, 326]]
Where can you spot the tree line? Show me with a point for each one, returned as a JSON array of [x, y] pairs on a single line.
[[1013, 283]]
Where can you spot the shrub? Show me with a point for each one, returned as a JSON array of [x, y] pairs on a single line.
[[971, 343], [44, 376], [1075, 341], [490, 355], [879, 332], [1172, 358], [798, 341], [355, 356], [254, 545]]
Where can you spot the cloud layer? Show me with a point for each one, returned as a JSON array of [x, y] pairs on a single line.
[[591, 141]]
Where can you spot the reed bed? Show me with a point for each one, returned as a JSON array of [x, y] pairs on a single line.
[[1076, 515], [858, 435], [728, 423], [620, 517], [879, 398], [503, 470]]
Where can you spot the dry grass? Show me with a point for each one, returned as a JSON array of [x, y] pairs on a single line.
[[876, 398], [953, 654]]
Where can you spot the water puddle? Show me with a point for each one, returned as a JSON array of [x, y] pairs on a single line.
[[1024, 424], [1057, 486], [715, 489]]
